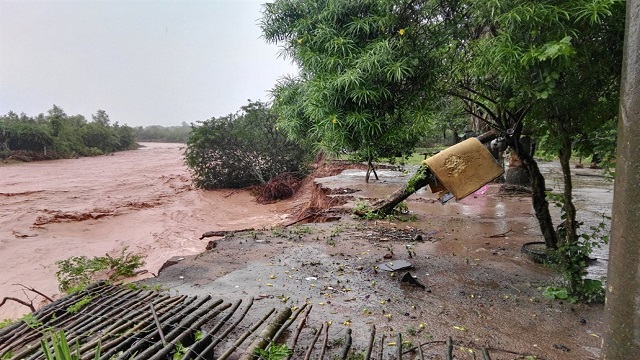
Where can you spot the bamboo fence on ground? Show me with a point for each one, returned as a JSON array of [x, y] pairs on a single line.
[[139, 324]]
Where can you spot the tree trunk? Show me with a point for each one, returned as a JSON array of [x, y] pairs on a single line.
[[539, 199], [622, 318], [370, 169], [421, 179], [570, 225], [518, 174]]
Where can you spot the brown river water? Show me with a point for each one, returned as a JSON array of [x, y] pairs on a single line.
[[140, 199]]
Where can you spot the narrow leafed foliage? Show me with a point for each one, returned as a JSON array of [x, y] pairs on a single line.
[[365, 76]]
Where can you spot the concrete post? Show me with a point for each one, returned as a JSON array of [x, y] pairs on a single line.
[[622, 307]]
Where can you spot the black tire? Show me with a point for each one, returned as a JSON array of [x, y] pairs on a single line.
[[536, 251]]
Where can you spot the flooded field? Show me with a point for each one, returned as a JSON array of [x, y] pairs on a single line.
[[478, 287]]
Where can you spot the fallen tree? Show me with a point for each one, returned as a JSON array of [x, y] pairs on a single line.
[[422, 178]]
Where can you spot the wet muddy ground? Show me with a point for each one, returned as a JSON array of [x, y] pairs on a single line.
[[479, 288]]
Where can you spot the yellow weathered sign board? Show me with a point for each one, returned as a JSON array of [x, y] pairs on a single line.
[[464, 168]]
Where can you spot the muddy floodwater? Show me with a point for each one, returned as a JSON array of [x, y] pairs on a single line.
[[476, 285], [140, 199]]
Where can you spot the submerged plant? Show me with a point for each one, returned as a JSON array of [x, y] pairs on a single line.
[[77, 272]]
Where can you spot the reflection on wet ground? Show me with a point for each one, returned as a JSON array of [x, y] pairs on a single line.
[[593, 199], [592, 189]]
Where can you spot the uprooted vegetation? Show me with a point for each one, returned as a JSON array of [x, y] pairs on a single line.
[[77, 272]]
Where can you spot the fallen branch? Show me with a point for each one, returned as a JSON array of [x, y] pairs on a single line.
[[35, 291], [303, 218], [29, 305], [422, 178], [222, 232]]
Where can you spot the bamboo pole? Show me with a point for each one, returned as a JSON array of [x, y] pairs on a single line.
[[201, 344], [325, 342], [449, 348], [485, 354], [291, 320], [307, 356], [184, 327], [267, 334], [244, 336], [181, 334], [372, 337], [347, 345], [213, 344], [301, 324], [187, 307]]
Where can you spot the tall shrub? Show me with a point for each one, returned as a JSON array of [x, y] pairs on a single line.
[[242, 149]]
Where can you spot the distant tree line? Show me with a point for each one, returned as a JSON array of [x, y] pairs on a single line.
[[59, 135], [157, 133]]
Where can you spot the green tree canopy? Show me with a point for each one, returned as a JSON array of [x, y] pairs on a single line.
[[58, 135], [366, 73]]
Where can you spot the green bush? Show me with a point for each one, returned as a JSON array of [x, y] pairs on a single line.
[[241, 150], [77, 272]]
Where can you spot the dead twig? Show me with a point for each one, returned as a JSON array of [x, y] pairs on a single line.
[[499, 235], [35, 291], [29, 305]]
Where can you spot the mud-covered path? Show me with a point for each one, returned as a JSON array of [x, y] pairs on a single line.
[[141, 199]]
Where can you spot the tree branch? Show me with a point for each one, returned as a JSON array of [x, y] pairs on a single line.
[[29, 305], [483, 106], [35, 291]]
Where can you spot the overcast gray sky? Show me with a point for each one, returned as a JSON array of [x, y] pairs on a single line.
[[144, 62]]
